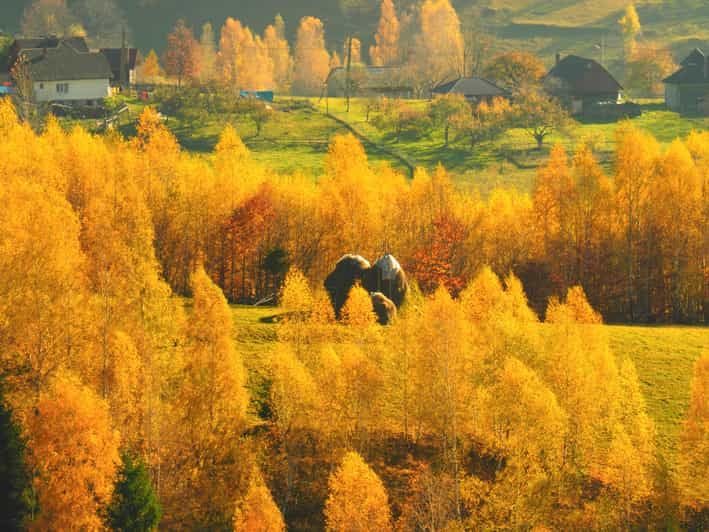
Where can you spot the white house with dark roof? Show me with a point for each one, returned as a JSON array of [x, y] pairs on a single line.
[[64, 69]]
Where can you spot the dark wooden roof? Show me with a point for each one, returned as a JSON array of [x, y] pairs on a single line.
[[113, 56], [583, 76], [471, 88], [693, 70], [65, 62]]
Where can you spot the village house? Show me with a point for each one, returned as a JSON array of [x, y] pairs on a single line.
[[389, 81], [63, 69], [475, 90], [687, 90], [582, 84]]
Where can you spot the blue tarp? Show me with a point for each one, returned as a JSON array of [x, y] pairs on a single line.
[[266, 96], [6, 90]]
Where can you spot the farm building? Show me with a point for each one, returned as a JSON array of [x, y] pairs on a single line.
[[122, 74], [389, 81], [475, 90], [687, 90], [581, 84], [63, 69]]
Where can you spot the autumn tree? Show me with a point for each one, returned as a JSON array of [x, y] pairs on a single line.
[[244, 62], [48, 17], [275, 41], [182, 55], [42, 288], [256, 511], [210, 413], [104, 21], [150, 70], [647, 67], [357, 500], [539, 116], [485, 122], [311, 60], [630, 28], [74, 454], [516, 71], [693, 453], [358, 309], [438, 54], [636, 154], [14, 475], [134, 505], [385, 51], [446, 109]]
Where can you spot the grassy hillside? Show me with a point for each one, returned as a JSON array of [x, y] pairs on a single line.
[[664, 357], [513, 158]]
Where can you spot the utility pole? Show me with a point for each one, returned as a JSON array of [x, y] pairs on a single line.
[[124, 61]]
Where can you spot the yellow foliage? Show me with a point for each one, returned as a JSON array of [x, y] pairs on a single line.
[[296, 294], [693, 455], [357, 500], [358, 310], [74, 452], [257, 512]]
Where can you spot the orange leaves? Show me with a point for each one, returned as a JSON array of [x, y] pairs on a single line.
[[75, 455], [435, 263]]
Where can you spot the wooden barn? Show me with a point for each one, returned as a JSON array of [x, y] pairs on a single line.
[[687, 90], [581, 83]]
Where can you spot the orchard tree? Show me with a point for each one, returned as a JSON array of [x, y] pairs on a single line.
[[134, 505], [357, 500], [516, 71], [540, 116], [448, 109]]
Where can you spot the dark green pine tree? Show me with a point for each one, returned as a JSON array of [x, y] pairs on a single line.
[[15, 486], [134, 507]]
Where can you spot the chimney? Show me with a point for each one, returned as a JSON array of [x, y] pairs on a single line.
[[558, 57]]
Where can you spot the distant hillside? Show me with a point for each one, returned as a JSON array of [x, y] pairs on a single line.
[[546, 26]]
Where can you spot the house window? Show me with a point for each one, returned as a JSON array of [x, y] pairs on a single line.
[[62, 88], [41, 86]]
